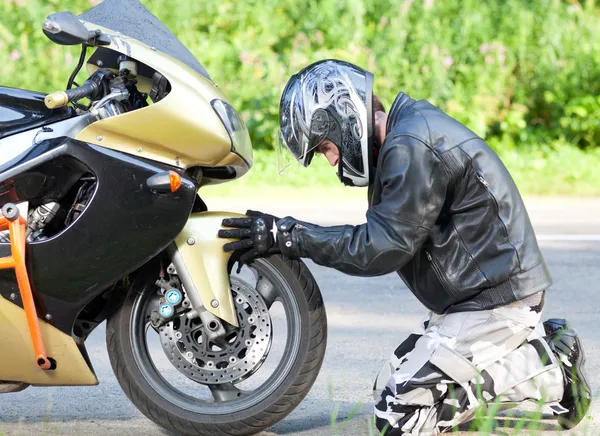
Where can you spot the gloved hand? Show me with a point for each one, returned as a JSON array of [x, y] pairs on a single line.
[[257, 235]]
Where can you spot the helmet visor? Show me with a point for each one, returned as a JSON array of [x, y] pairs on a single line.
[[285, 158], [295, 142], [288, 157]]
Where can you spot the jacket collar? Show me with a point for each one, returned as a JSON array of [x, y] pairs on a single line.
[[401, 103]]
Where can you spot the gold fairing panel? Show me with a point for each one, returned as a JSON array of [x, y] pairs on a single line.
[[17, 359], [206, 261], [181, 130]]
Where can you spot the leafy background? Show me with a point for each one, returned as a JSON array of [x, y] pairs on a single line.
[[524, 74]]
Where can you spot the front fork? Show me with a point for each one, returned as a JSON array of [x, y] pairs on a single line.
[[202, 266]]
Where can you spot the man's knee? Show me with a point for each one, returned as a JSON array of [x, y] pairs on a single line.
[[384, 427], [392, 416]]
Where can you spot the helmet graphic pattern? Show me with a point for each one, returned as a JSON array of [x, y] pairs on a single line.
[[330, 100]]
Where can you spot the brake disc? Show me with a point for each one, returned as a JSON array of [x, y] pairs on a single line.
[[237, 356]]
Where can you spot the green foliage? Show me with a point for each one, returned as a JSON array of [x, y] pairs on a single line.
[[527, 71], [560, 169], [557, 169], [523, 74]]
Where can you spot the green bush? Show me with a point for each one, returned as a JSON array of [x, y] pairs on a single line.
[[518, 71]]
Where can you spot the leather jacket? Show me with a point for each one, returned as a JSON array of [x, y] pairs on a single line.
[[443, 212]]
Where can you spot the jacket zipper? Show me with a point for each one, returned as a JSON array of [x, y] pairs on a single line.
[[482, 180], [437, 270], [496, 209]]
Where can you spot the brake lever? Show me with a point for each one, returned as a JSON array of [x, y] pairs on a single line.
[[115, 94]]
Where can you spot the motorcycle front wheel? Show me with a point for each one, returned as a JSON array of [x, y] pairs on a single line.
[[251, 380]]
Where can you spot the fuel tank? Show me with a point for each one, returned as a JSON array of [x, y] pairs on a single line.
[[22, 110]]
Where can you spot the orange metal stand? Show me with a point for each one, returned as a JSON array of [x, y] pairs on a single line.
[[17, 229]]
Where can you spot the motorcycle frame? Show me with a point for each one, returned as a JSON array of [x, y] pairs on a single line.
[[124, 227], [79, 276]]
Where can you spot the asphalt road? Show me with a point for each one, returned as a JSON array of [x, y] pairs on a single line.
[[367, 319]]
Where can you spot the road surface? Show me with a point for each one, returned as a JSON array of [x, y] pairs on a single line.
[[367, 319]]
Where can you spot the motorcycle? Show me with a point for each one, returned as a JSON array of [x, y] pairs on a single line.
[[102, 220]]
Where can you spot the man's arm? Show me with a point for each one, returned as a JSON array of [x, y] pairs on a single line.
[[414, 185]]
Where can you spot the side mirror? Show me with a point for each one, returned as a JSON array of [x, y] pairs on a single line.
[[64, 28]]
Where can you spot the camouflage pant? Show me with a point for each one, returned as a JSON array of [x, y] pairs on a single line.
[[437, 378]]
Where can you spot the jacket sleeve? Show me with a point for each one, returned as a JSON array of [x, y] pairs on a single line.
[[414, 183]]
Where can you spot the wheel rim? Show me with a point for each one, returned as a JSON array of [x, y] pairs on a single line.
[[235, 357], [227, 397]]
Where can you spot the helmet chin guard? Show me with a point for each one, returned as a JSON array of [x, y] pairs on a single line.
[[368, 173]]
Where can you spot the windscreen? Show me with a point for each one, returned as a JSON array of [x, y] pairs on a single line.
[[132, 19]]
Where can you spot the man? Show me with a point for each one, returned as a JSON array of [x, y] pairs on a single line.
[[446, 215]]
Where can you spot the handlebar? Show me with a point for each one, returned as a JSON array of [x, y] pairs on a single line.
[[62, 98]]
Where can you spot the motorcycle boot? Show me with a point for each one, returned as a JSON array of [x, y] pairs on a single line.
[[567, 346]]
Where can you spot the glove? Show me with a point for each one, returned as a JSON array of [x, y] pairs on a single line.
[[257, 235]]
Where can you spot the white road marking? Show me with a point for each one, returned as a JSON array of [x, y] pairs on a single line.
[[571, 237]]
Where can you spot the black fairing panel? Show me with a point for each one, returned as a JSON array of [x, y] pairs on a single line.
[[22, 110], [124, 226]]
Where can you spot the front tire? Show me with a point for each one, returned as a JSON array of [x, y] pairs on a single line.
[[183, 416]]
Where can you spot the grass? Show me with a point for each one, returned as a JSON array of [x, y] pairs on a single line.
[[263, 179], [485, 417], [485, 422], [557, 170]]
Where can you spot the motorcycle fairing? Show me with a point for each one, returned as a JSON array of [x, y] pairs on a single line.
[[17, 360], [123, 227], [72, 268], [207, 262], [22, 147], [22, 110], [200, 139]]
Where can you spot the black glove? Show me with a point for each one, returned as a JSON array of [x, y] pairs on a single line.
[[256, 234]]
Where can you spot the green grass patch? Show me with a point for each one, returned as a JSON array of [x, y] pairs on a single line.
[[541, 170], [554, 170], [264, 179]]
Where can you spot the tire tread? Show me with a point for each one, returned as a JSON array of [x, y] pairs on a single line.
[[275, 412]]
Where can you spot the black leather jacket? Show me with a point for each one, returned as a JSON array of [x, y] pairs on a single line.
[[444, 212]]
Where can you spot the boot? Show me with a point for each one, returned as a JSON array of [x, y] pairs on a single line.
[[567, 346]]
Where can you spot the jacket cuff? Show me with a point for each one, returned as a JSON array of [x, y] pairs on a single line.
[[289, 238], [288, 245]]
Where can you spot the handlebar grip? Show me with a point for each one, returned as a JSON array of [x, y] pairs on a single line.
[[85, 90], [56, 99], [61, 98]]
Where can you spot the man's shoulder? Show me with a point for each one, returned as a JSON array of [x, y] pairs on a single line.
[[403, 146], [433, 126], [411, 124]]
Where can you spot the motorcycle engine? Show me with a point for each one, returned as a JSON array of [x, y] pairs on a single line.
[[52, 217], [37, 219]]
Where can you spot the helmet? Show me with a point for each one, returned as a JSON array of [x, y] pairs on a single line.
[[330, 100]]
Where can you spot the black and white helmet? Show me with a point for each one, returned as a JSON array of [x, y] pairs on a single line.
[[330, 100]]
